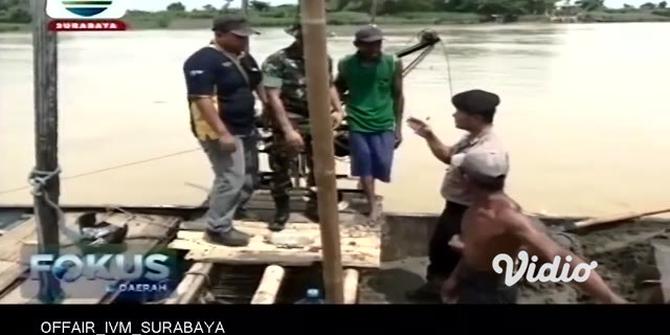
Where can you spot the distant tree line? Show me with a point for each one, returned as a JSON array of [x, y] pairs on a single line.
[[393, 7], [15, 11]]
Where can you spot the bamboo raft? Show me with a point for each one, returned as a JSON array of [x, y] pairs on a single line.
[[152, 228], [263, 272]]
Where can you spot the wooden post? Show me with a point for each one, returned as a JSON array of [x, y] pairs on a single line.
[[45, 53], [318, 99]]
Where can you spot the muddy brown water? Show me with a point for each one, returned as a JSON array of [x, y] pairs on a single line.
[[583, 114]]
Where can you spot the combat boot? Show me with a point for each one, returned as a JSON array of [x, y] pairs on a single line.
[[282, 213]]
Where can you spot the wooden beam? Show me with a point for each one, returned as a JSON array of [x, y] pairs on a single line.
[[13, 252], [266, 294], [45, 57], [318, 98], [194, 281], [662, 256], [350, 286], [297, 245]]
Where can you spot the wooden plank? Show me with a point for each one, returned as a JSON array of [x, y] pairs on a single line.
[[11, 250], [11, 243], [145, 232], [194, 280], [662, 256], [266, 294], [350, 286], [297, 245], [10, 272]]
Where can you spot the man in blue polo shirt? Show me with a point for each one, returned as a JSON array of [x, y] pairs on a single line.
[[221, 101]]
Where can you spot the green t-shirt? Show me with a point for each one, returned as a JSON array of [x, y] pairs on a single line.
[[370, 104]]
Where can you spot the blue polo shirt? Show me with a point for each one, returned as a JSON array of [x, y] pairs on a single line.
[[211, 73]]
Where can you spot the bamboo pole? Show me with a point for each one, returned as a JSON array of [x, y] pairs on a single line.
[[318, 98], [192, 284], [45, 62], [350, 286], [266, 293]]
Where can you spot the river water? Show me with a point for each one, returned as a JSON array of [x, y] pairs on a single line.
[[583, 114]]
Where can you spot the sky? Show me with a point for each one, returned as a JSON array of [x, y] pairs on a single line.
[[154, 5]]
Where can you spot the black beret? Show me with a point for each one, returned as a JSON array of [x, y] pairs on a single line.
[[476, 101]]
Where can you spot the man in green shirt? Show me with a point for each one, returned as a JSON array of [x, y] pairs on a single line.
[[372, 83]]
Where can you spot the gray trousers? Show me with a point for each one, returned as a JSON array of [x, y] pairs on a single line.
[[235, 179]]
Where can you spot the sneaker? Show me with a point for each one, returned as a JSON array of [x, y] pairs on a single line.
[[231, 238]]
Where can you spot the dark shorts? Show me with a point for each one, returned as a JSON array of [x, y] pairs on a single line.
[[478, 287], [372, 154]]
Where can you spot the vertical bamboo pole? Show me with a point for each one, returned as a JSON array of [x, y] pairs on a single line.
[[45, 58], [318, 79]]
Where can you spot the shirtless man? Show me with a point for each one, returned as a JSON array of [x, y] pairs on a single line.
[[494, 224]]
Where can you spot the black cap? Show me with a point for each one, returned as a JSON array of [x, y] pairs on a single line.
[[369, 34], [233, 24], [476, 101]]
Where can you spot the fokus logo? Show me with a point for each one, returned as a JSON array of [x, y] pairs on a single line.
[[81, 15]]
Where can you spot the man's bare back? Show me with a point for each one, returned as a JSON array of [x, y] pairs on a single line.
[[485, 235], [493, 225]]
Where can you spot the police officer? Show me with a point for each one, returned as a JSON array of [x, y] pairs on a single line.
[[221, 101], [284, 78]]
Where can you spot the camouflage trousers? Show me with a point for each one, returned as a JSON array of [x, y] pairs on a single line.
[[284, 164]]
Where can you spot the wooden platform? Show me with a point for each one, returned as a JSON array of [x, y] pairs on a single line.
[[662, 255], [298, 245], [17, 244]]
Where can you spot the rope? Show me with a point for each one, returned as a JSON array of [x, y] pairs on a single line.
[[417, 61], [446, 57], [47, 176], [38, 180]]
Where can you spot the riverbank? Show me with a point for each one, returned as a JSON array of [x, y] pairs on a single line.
[[176, 21], [12, 27], [184, 21]]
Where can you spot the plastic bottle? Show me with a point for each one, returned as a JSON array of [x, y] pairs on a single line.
[[311, 298]]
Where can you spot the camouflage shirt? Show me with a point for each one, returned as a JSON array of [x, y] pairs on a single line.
[[285, 69]]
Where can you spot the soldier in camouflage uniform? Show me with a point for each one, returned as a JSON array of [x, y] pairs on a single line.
[[286, 86]]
